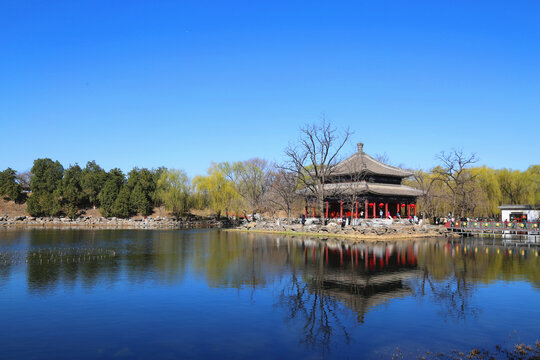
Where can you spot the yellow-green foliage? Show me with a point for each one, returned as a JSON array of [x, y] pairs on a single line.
[[219, 192], [488, 189], [173, 191]]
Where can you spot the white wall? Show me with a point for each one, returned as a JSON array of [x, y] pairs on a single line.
[[532, 215]]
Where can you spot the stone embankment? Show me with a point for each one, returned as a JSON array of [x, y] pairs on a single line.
[[370, 228], [111, 223]]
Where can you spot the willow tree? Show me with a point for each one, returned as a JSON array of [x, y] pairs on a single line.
[[220, 192], [173, 191]]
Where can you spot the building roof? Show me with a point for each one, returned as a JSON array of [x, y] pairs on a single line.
[[363, 187], [518, 207], [360, 161]]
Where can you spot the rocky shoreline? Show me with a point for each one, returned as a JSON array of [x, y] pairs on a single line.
[[112, 223], [365, 228]]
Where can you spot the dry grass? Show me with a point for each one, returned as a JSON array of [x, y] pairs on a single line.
[[11, 209]]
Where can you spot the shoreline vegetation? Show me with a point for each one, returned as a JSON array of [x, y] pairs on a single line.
[[258, 186]]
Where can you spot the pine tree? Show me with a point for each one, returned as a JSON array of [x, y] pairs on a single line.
[[121, 207]]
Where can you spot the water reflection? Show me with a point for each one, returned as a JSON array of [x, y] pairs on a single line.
[[324, 289]]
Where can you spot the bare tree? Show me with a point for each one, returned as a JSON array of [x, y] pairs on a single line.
[[283, 190], [425, 182], [24, 179], [251, 178], [314, 157], [454, 173]]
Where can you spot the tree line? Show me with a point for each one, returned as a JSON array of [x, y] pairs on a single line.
[[55, 190], [258, 186], [474, 191], [239, 188]]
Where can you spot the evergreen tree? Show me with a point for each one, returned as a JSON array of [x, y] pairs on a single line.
[[46, 177], [92, 181], [44, 204], [109, 192], [9, 188], [142, 183], [121, 207], [139, 201], [70, 191]]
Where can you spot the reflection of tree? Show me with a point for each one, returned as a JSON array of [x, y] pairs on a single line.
[[309, 303], [453, 291], [454, 294]]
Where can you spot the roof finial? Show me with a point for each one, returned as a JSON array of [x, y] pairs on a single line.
[[360, 147]]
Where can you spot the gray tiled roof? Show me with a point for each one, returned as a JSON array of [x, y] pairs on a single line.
[[362, 161]]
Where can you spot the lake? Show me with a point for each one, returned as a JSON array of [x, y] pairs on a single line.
[[207, 294]]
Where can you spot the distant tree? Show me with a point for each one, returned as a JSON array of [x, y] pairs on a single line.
[[9, 188], [70, 191], [533, 173], [314, 158], [283, 190], [109, 193], [122, 205], [46, 175], [426, 181], [487, 191], [93, 179], [44, 204], [24, 178], [220, 191], [138, 201], [142, 185], [514, 186], [251, 180], [46, 178], [173, 191], [454, 172], [156, 174]]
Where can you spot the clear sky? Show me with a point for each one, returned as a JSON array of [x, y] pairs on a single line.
[[185, 83]]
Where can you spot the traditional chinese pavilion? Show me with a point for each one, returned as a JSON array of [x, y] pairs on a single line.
[[361, 186]]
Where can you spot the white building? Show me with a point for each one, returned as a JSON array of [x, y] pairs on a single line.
[[520, 213]]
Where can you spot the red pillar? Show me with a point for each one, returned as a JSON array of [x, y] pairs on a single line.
[[374, 211], [305, 208], [341, 209], [386, 209], [314, 209], [408, 210], [326, 215], [356, 213], [397, 209], [414, 209], [365, 214]]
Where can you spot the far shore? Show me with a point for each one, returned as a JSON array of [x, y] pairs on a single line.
[[350, 237]]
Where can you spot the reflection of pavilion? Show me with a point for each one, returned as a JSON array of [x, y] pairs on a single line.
[[361, 276], [362, 292]]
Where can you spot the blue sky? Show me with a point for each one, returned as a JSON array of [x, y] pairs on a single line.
[[182, 84]]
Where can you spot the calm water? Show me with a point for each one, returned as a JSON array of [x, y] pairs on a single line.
[[77, 294]]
